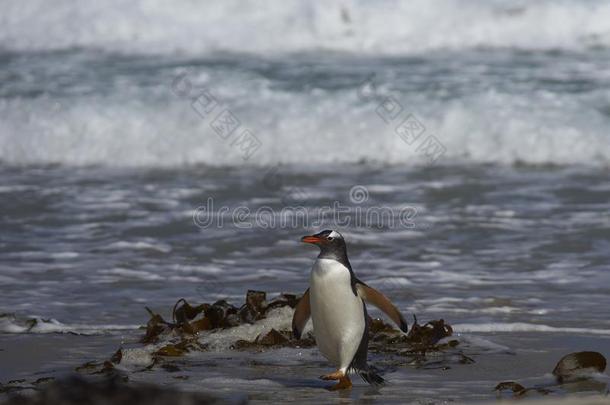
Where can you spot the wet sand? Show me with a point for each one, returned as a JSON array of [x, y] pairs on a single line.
[[291, 375]]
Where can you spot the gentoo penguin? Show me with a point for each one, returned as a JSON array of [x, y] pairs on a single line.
[[335, 301]]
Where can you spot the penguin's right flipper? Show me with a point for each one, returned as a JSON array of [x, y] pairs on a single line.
[[302, 312], [371, 295]]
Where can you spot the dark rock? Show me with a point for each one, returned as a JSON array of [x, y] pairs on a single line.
[[572, 370], [78, 391], [579, 365]]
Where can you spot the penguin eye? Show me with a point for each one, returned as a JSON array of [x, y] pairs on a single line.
[[330, 238]]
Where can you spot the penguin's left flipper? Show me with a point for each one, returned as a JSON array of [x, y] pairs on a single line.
[[372, 296], [302, 312]]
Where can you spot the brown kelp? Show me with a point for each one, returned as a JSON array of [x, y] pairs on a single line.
[[190, 322]]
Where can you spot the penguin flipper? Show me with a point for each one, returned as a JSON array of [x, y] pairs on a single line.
[[302, 313], [371, 295]]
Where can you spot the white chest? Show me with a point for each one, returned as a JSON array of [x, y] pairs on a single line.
[[327, 271], [331, 286], [337, 313]]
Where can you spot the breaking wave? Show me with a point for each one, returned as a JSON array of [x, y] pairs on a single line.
[[299, 129], [387, 27], [91, 83]]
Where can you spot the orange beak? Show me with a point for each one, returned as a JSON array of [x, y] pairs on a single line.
[[311, 239]]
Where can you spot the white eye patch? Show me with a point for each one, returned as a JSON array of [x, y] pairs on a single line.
[[334, 234]]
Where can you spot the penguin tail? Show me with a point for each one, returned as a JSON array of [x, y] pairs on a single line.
[[359, 363], [371, 377]]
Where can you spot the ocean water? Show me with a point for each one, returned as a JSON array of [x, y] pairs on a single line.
[[152, 151]]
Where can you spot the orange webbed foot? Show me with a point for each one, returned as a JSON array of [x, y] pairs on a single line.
[[343, 384], [337, 375]]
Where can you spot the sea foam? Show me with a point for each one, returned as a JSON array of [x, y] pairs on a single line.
[[300, 128], [387, 27]]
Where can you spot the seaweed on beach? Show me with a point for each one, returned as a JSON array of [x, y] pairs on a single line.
[[166, 340], [189, 320], [19, 385], [275, 339], [104, 368], [425, 346], [419, 340]]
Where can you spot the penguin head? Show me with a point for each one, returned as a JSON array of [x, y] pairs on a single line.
[[327, 241]]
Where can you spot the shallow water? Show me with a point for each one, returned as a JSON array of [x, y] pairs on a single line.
[[513, 258], [489, 247]]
